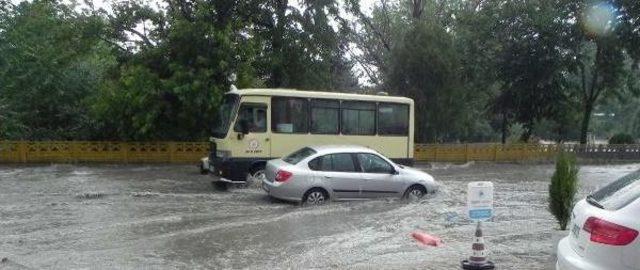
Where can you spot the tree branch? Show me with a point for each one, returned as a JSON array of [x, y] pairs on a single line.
[[367, 22], [370, 73], [113, 43], [144, 38]]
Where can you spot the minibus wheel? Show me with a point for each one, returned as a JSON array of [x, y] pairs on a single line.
[[257, 173], [221, 186]]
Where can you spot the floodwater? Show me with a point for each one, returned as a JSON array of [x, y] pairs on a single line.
[[169, 217]]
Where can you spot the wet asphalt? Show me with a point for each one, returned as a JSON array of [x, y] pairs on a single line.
[[170, 217]]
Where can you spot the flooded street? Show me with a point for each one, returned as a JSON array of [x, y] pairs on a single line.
[[169, 217]]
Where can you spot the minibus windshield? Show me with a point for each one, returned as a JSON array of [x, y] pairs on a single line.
[[225, 115]]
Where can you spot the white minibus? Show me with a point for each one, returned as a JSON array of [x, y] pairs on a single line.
[[255, 125]]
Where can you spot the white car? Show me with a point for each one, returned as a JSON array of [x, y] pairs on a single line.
[[604, 229], [316, 174]]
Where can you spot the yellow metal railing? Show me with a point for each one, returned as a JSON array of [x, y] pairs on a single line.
[[189, 152], [483, 152], [116, 152]]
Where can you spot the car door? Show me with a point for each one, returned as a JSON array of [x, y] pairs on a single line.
[[339, 172], [379, 176]]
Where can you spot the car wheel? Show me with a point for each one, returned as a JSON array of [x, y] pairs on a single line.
[[415, 193], [315, 196]]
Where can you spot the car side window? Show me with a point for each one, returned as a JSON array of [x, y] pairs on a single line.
[[342, 163], [371, 163], [333, 163]]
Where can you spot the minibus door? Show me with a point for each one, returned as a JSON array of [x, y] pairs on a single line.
[[252, 130]]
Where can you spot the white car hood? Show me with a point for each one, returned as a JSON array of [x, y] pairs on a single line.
[[420, 175]]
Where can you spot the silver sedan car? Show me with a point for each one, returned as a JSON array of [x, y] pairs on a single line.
[[316, 174]]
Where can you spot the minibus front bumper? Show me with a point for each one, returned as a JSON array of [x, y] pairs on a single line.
[[233, 170]]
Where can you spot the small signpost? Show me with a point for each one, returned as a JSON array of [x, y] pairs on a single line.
[[480, 201], [479, 208]]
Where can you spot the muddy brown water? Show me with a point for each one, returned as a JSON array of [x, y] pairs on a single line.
[[169, 217]]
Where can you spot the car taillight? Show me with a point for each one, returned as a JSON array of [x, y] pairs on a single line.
[[608, 233], [283, 176]]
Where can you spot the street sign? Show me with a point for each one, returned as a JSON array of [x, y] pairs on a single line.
[[480, 200]]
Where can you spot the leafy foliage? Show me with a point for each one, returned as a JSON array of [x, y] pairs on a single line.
[[563, 187], [478, 70], [50, 64], [622, 138], [425, 66]]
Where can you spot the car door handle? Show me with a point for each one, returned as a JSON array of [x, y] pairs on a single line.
[[368, 178], [326, 176]]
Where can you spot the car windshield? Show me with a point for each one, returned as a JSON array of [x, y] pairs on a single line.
[[619, 193], [226, 113], [299, 155]]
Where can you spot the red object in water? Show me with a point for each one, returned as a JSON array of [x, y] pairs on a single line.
[[426, 239]]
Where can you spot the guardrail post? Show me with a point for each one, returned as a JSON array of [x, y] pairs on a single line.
[[125, 149], [466, 152], [74, 149], [22, 151], [172, 151], [435, 153]]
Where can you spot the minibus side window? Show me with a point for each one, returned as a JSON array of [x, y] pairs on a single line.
[[325, 116], [393, 119], [358, 118], [289, 115]]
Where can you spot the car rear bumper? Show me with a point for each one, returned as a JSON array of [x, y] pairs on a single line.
[[281, 191], [568, 259]]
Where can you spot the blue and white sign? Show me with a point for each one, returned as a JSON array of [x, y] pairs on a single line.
[[480, 200]]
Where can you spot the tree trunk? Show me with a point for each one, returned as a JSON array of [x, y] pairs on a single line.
[[416, 10], [586, 118], [526, 135], [504, 128], [277, 41]]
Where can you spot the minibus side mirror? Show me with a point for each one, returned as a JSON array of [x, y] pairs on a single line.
[[244, 128]]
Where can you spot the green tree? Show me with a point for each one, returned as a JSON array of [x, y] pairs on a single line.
[[622, 138], [49, 65], [175, 65], [605, 41], [530, 65], [563, 187], [425, 67]]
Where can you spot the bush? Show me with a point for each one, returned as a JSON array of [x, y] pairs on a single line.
[[563, 188], [622, 138]]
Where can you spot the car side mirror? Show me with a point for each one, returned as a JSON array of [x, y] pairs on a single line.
[[395, 172]]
